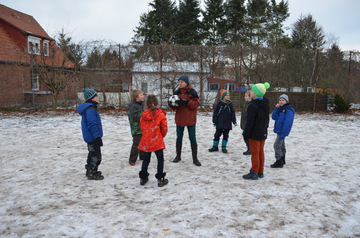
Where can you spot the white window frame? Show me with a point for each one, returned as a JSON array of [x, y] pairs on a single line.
[[46, 47], [34, 45], [35, 82]]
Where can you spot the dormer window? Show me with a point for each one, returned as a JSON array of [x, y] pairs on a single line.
[[46, 47], [34, 45]]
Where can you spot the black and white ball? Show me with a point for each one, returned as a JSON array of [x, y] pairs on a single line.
[[172, 100]]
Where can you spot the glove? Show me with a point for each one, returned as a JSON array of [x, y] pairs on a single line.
[[182, 102], [214, 124], [235, 124], [170, 105], [98, 142]]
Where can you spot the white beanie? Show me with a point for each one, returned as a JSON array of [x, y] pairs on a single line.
[[284, 96]]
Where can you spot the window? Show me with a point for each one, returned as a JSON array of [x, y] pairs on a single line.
[[46, 47], [34, 45], [144, 87], [34, 82], [230, 86], [214, 87]]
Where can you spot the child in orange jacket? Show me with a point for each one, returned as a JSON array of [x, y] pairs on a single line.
[[153, 124]]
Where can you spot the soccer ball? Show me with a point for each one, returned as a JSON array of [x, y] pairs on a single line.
[[172, 100]]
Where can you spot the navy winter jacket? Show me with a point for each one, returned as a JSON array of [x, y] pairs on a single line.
[[224, 115], [284, 118], [257, 120], [90, 122]]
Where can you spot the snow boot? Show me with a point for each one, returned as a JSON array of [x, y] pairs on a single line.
[[223, 146], [161, 179], [144, 177], [94, 175], [248, 152], [261, 174], [278, 164], [194, 149], [178, 152], [215, 146], [283, 159], [251, 176]]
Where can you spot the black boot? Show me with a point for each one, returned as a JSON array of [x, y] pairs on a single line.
[[178, 152], [144, 177], [278, 164], [212, 149], [283, 159], [161, 179], [194, 155], [94, 175]]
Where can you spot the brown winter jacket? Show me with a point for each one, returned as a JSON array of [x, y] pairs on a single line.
[[186, 114]]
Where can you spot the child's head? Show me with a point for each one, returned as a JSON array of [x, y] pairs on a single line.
[[259, 90], [152, 102], [283, 99], [90, 94], [137, 96], [247, 96], [224, 95]]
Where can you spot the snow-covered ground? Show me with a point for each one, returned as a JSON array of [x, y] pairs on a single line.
[[44, 191]]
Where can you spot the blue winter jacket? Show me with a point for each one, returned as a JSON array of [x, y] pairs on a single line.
[[224, 115], [90, 122], [284, 118]]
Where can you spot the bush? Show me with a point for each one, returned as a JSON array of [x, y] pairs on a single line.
[[340, 105]]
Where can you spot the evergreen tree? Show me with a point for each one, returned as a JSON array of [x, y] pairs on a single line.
[[235, 13], [72, 51], [278, 13], [189, 25], [214, 23], [158, 25], [256, 20]]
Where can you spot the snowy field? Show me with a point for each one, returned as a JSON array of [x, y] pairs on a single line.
[[44, 191]]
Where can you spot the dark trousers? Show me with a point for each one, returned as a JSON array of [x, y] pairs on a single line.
[[191, 131], [219, 132], [147, 156], [94, 157], [135, 152]]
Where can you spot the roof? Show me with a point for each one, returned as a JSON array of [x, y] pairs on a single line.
[[183, 67], [22, 22]]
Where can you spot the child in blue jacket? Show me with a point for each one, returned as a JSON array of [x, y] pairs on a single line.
[[92, 133], [223, 116], [283, 115]]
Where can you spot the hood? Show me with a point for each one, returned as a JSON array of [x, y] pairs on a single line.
[[149, 116], [288, 107], [81, 108], [186, 89]]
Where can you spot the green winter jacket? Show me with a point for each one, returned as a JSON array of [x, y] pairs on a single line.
[[135, 111]]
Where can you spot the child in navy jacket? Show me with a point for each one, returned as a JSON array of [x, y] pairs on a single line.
[[223, 116], [283, 115], [92, 133]]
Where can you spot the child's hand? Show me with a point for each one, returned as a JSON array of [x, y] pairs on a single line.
[[214, 124], [278, 105]]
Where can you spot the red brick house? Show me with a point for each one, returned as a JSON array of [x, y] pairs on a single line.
[[30, 61]]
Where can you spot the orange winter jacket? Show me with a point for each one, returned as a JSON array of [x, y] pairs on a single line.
[[154, 129]]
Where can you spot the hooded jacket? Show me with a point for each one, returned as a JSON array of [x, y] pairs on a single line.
[[224, 115], [90, 122], [284, 118], [257, 121], [186, 114], [154, 129], [134, 114]]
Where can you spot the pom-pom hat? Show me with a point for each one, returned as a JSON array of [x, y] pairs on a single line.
[[89, 93], [260, 88], [223, 93]]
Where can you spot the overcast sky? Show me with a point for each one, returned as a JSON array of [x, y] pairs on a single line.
[[115, 20]]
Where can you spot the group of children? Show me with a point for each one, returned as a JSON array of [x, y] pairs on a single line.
[[149, 128]]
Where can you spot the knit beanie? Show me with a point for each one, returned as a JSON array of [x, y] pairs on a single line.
[[284, 96], [89, 93], [260, 88], [223, 93], [184, 78]]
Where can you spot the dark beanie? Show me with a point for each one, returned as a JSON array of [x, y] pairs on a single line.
[[184, 78], [89, 94]]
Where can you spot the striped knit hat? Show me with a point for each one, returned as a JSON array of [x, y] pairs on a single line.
[[223, 93], [260, 88], [89, 93]]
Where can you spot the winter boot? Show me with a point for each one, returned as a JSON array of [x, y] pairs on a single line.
[[215, 146], [223, 147], [248, 152], [283, 159], [278, 164], [161, 179], [88, 171], [261, 174], [251, 176], [194, 149], [178, 152], [94, 175], [144, 177]]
